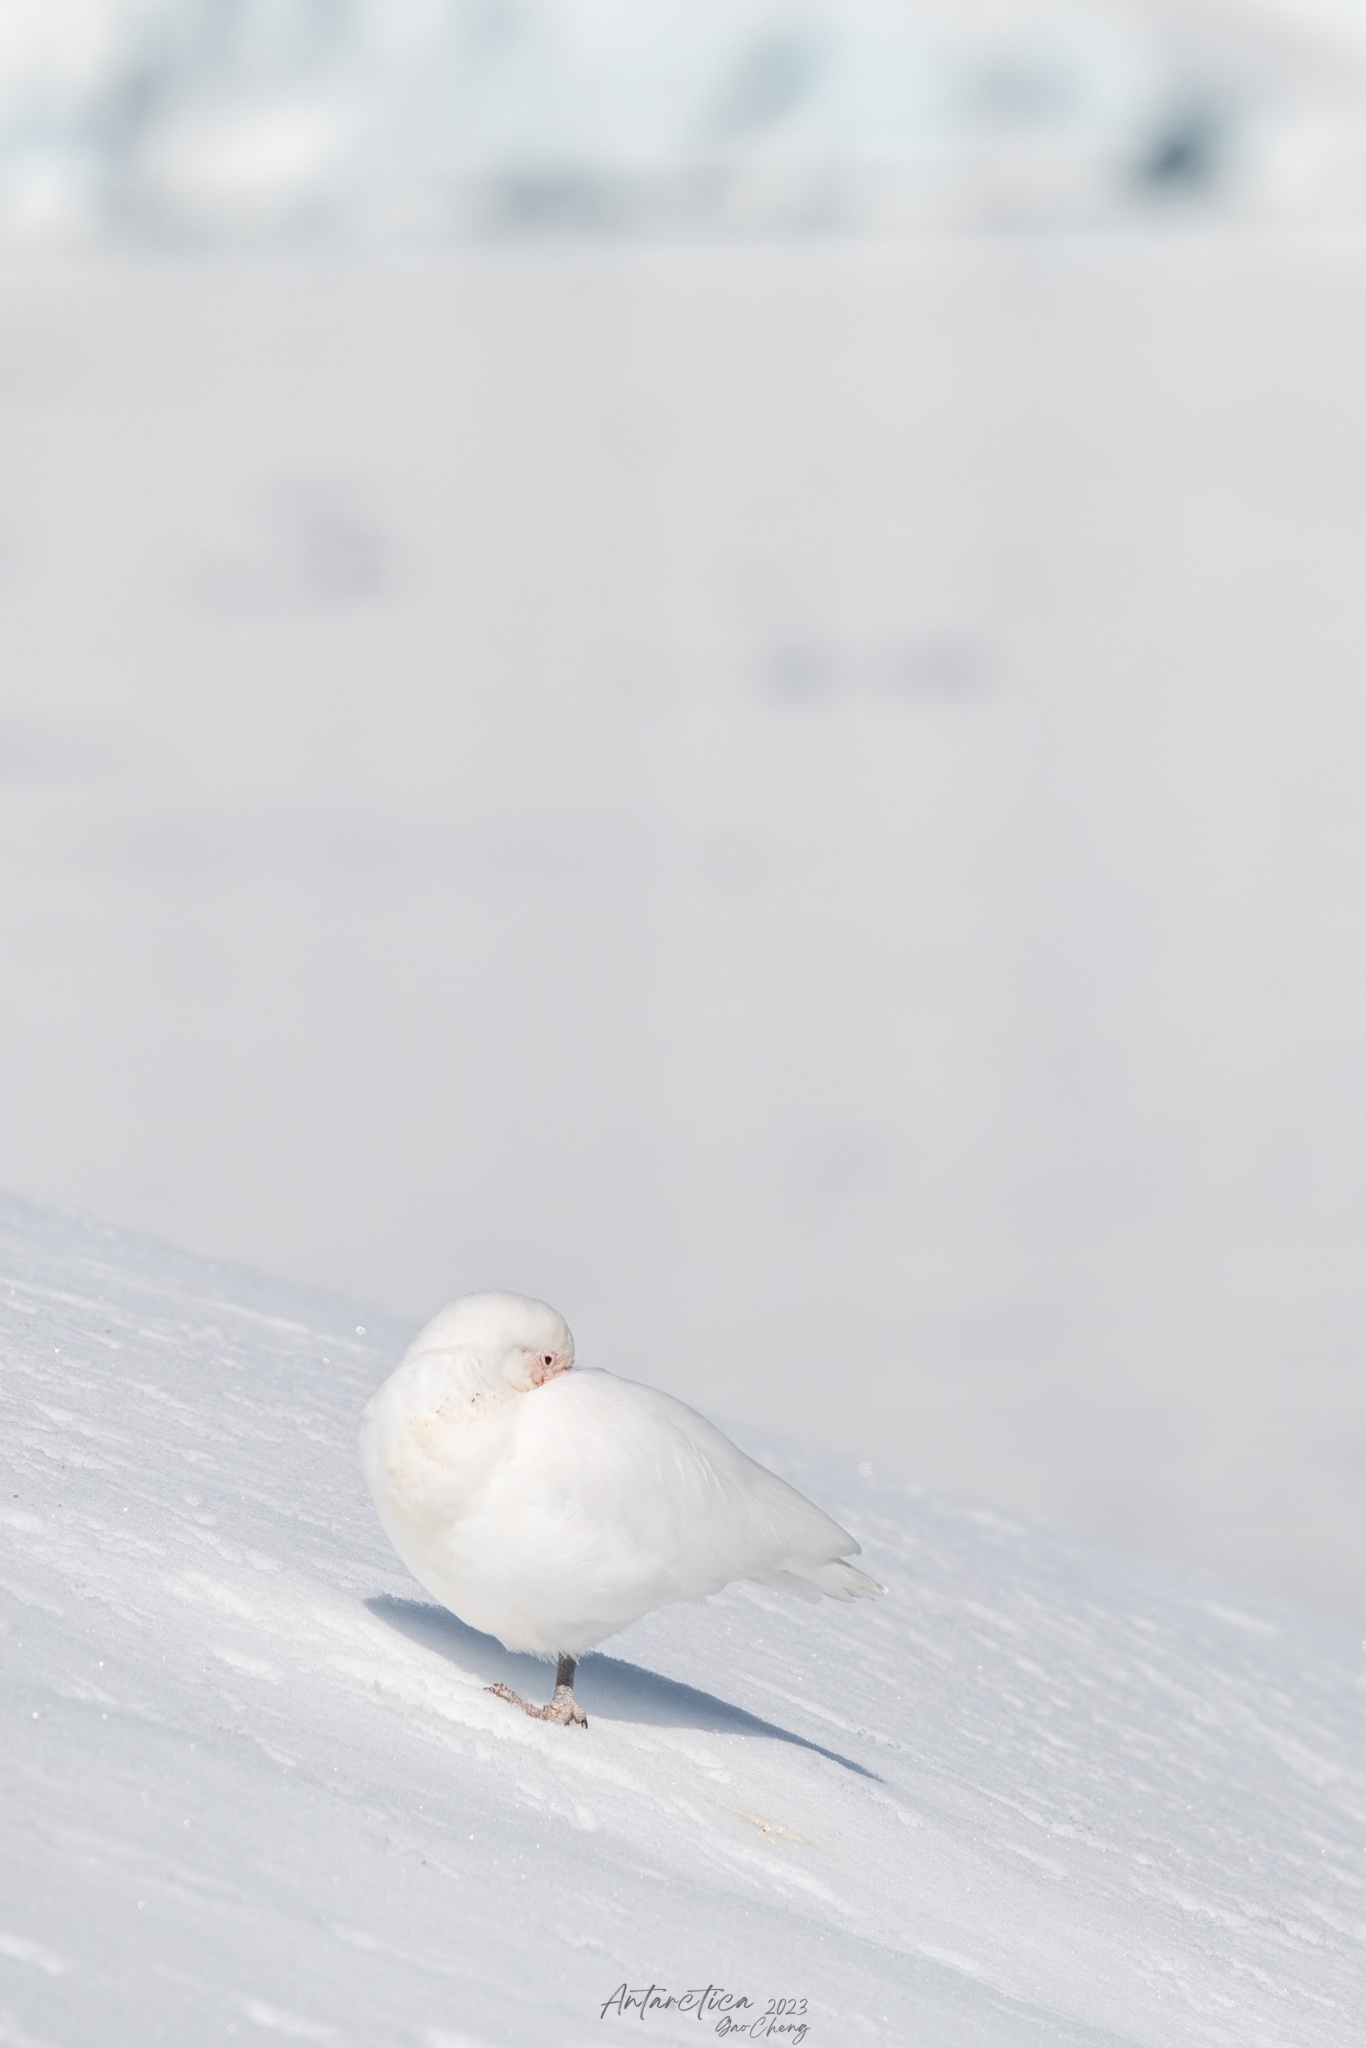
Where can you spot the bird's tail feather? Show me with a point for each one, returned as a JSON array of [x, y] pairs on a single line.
[[809, 1577]]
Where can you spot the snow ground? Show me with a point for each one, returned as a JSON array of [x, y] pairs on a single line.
[[256, 1788]]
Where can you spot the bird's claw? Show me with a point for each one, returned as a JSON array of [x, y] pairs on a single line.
[[564, 1709]]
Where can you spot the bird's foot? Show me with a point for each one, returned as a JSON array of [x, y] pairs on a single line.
[[564, 1709]]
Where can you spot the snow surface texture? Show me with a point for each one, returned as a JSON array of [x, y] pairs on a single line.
[[192, 118], [256, 1787]]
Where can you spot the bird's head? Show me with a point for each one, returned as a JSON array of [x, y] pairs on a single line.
[[497, 1343]]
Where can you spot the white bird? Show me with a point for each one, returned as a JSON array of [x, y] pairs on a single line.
[[550, 1505]]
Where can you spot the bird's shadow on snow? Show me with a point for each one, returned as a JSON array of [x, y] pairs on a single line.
[[607, 1688]]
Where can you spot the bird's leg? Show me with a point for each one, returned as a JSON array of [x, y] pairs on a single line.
[[563, 1708]]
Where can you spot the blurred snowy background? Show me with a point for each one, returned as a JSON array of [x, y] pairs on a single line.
[[710, 660], [375, 121]]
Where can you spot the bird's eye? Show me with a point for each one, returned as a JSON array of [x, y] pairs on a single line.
[[549, 1358]]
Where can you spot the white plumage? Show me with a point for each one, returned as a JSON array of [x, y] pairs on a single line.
[[550, 1507]]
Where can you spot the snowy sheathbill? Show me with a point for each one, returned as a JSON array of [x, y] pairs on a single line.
[[550, 1505]]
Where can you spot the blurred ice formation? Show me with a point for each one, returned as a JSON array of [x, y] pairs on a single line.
[[418, 120]]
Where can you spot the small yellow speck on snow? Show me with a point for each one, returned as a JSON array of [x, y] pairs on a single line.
[[772, 1827]]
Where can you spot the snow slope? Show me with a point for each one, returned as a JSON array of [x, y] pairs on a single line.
[[255, 1787]]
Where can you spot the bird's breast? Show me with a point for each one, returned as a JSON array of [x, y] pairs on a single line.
[[430, 1465]]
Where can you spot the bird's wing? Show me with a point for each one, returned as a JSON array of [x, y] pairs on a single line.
[[617, 1472]]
